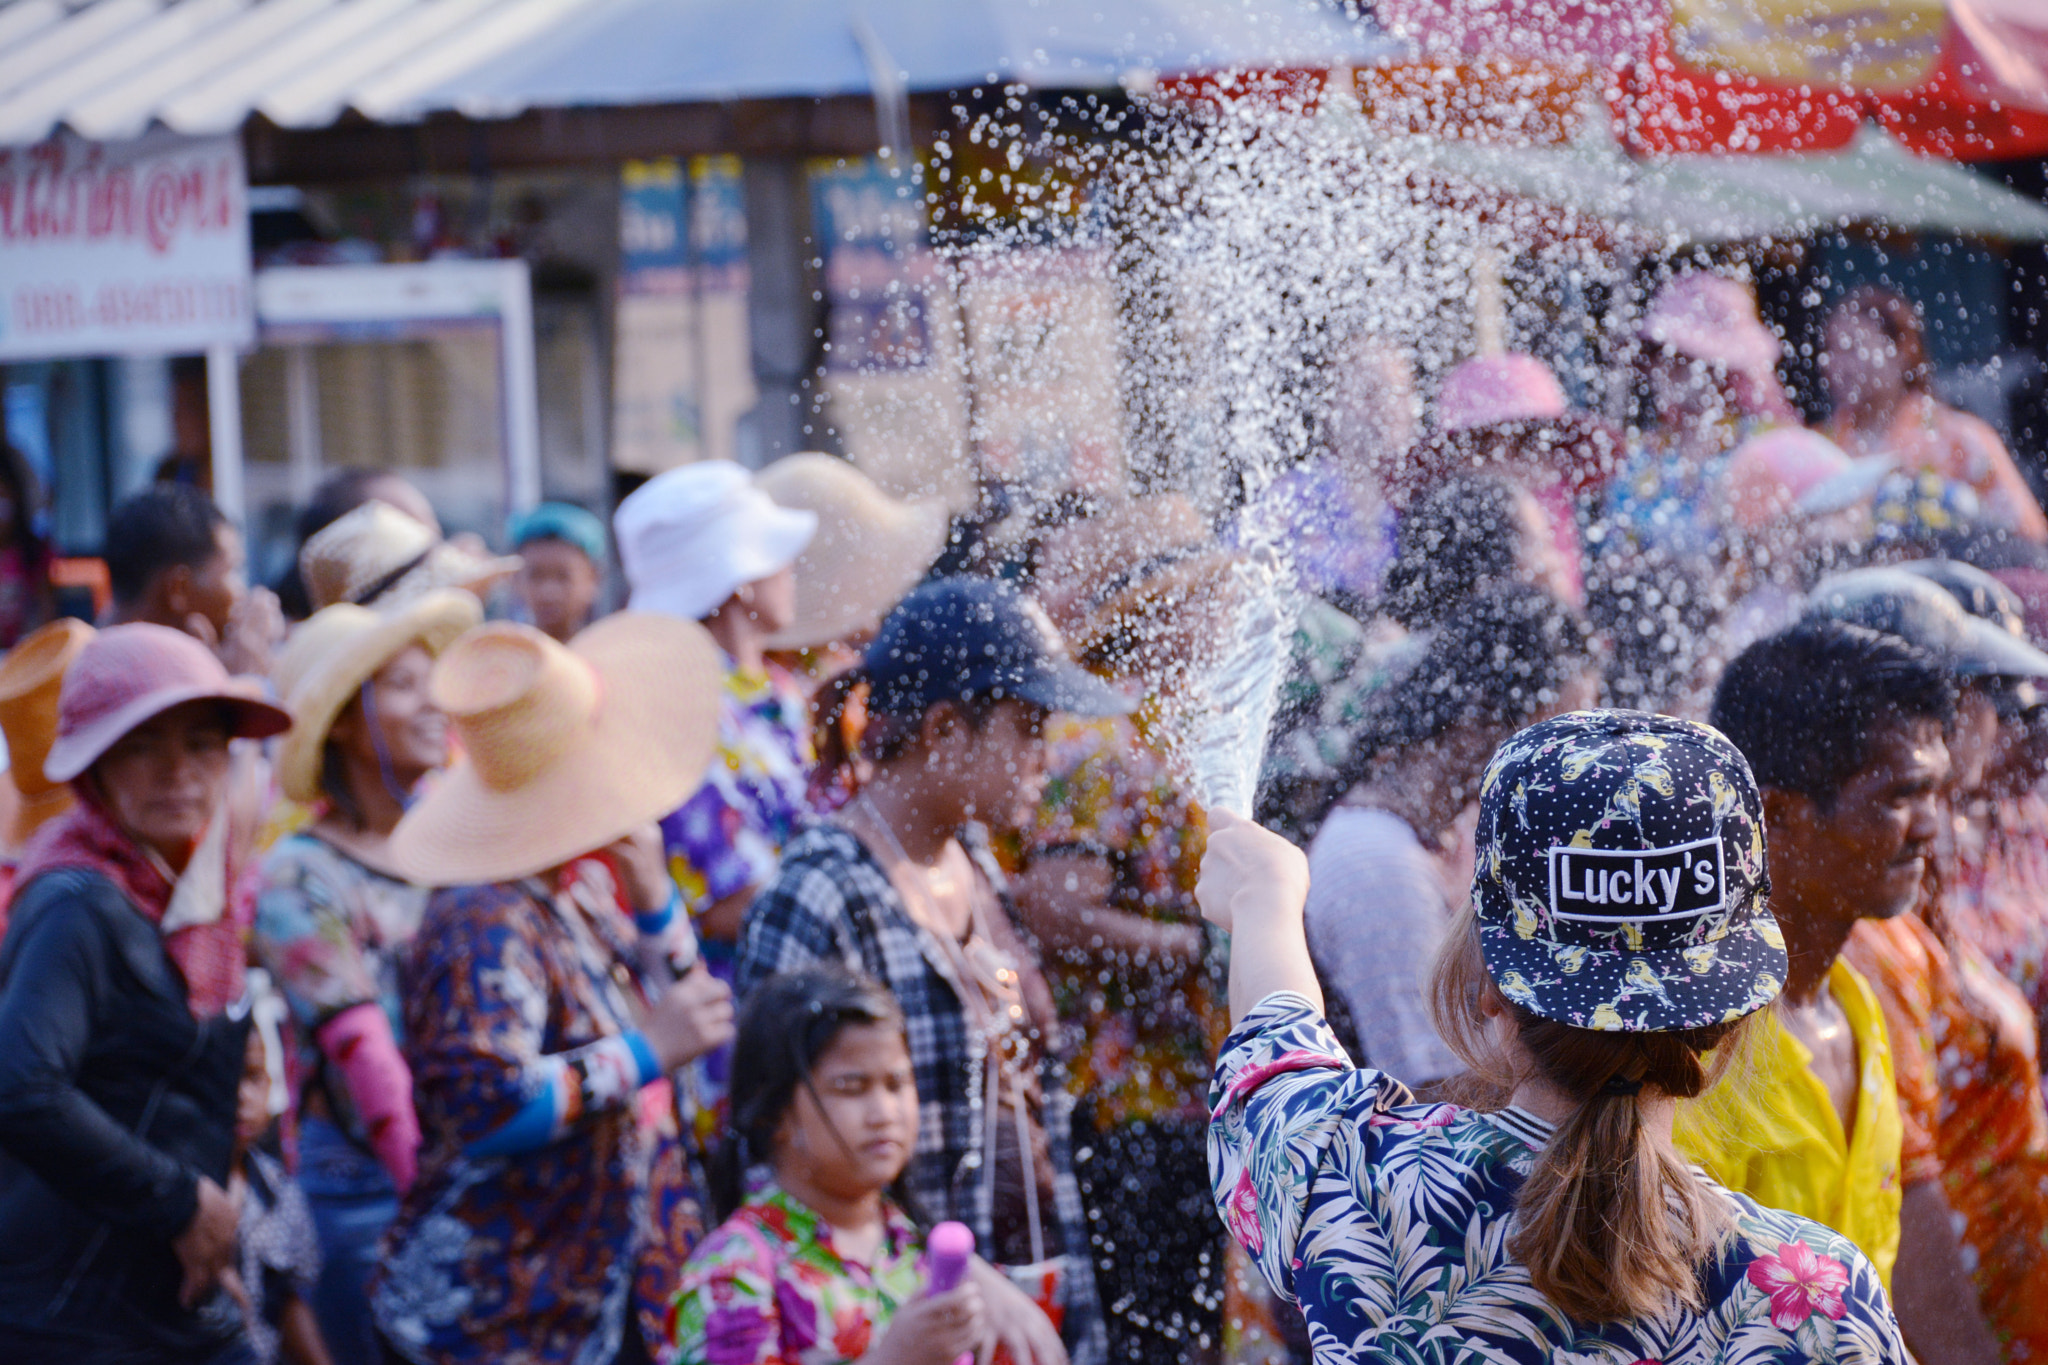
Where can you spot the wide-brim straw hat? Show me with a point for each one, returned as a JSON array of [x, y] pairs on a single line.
[[130, 674], [564, 748], [378, 556], [337, 650], [31, 677], [1151, 557], [869, 549]]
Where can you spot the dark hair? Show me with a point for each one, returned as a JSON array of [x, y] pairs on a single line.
[[1657, 607], [1499, 658], [1803, 704], [840, 711], [17, 472], [788, 1022], [1466, 533], [1899, 320], [157, 530], [334, 784]]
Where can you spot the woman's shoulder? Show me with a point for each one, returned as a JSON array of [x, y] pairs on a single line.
[[1804, 1278], [81, 902], [303, 857], [461, 912], [826, 861]]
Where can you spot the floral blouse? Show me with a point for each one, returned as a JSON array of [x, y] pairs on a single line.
[[329, 929], [1965, 1048], [731, 832], [1388, 1223], [1109, 792], [769, 1288], [529, 1256], [729, 835]]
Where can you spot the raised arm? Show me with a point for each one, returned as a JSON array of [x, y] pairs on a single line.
[[477, 1018], [1253, 887]]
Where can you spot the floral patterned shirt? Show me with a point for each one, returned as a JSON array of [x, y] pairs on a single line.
[[1110, 793], [770, 1288], [329, 930], [1388, 1223], [530, 1256], [2000, 901], [730, 834], [1969, 1074]]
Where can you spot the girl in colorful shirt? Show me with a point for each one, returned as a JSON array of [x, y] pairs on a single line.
[[333, 915], [818, 1263], [1561, 1225]]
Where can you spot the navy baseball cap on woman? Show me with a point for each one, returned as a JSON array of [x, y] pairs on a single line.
[[962, 639], [1621, 876]]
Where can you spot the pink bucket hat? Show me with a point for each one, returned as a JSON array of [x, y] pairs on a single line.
[[1712, 319], [1490, 389], [126, 675]]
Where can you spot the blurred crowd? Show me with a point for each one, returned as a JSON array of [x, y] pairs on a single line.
[[424, 962]]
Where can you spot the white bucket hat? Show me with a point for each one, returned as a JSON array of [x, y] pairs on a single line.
[[693, 536]]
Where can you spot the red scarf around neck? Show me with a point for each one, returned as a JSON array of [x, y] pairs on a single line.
[[211, 957]]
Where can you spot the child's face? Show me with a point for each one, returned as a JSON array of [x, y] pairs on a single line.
[[854, 1136], [252, 1098]]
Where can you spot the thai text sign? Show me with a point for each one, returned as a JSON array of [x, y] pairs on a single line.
[[118, 248]]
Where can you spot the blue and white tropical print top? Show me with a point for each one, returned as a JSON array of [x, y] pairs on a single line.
[[1388, 1223]]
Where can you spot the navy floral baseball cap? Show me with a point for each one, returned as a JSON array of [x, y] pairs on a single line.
[[1621, 879]]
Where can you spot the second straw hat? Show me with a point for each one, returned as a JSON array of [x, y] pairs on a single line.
[[337, 650], [376, 555], [870, 549], [565, 748]]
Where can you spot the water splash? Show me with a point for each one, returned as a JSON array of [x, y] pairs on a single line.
[[1255, 247], [1227, 743]]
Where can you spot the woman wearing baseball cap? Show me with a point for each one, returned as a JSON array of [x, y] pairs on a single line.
[[1617, 934], [959, 680]]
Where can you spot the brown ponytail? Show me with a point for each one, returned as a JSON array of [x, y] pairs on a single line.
[[1612, 1223]]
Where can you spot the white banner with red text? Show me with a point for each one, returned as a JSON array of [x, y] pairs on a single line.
[[124, 248]]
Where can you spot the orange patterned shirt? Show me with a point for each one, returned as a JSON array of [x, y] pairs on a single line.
[[1966, 1054]]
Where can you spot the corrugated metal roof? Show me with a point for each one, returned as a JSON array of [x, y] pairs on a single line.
[[111, 68]]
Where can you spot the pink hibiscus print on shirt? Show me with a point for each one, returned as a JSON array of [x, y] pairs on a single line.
[[1442, 1116], [1241, 1214], [1801, 1282]]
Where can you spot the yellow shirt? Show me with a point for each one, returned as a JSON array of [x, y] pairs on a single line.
[[1775, 1135]]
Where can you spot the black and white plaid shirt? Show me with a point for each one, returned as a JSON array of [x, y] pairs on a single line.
[[831, 901]]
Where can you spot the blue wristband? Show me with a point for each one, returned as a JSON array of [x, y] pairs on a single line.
[[643, 1054], [653, 922]]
